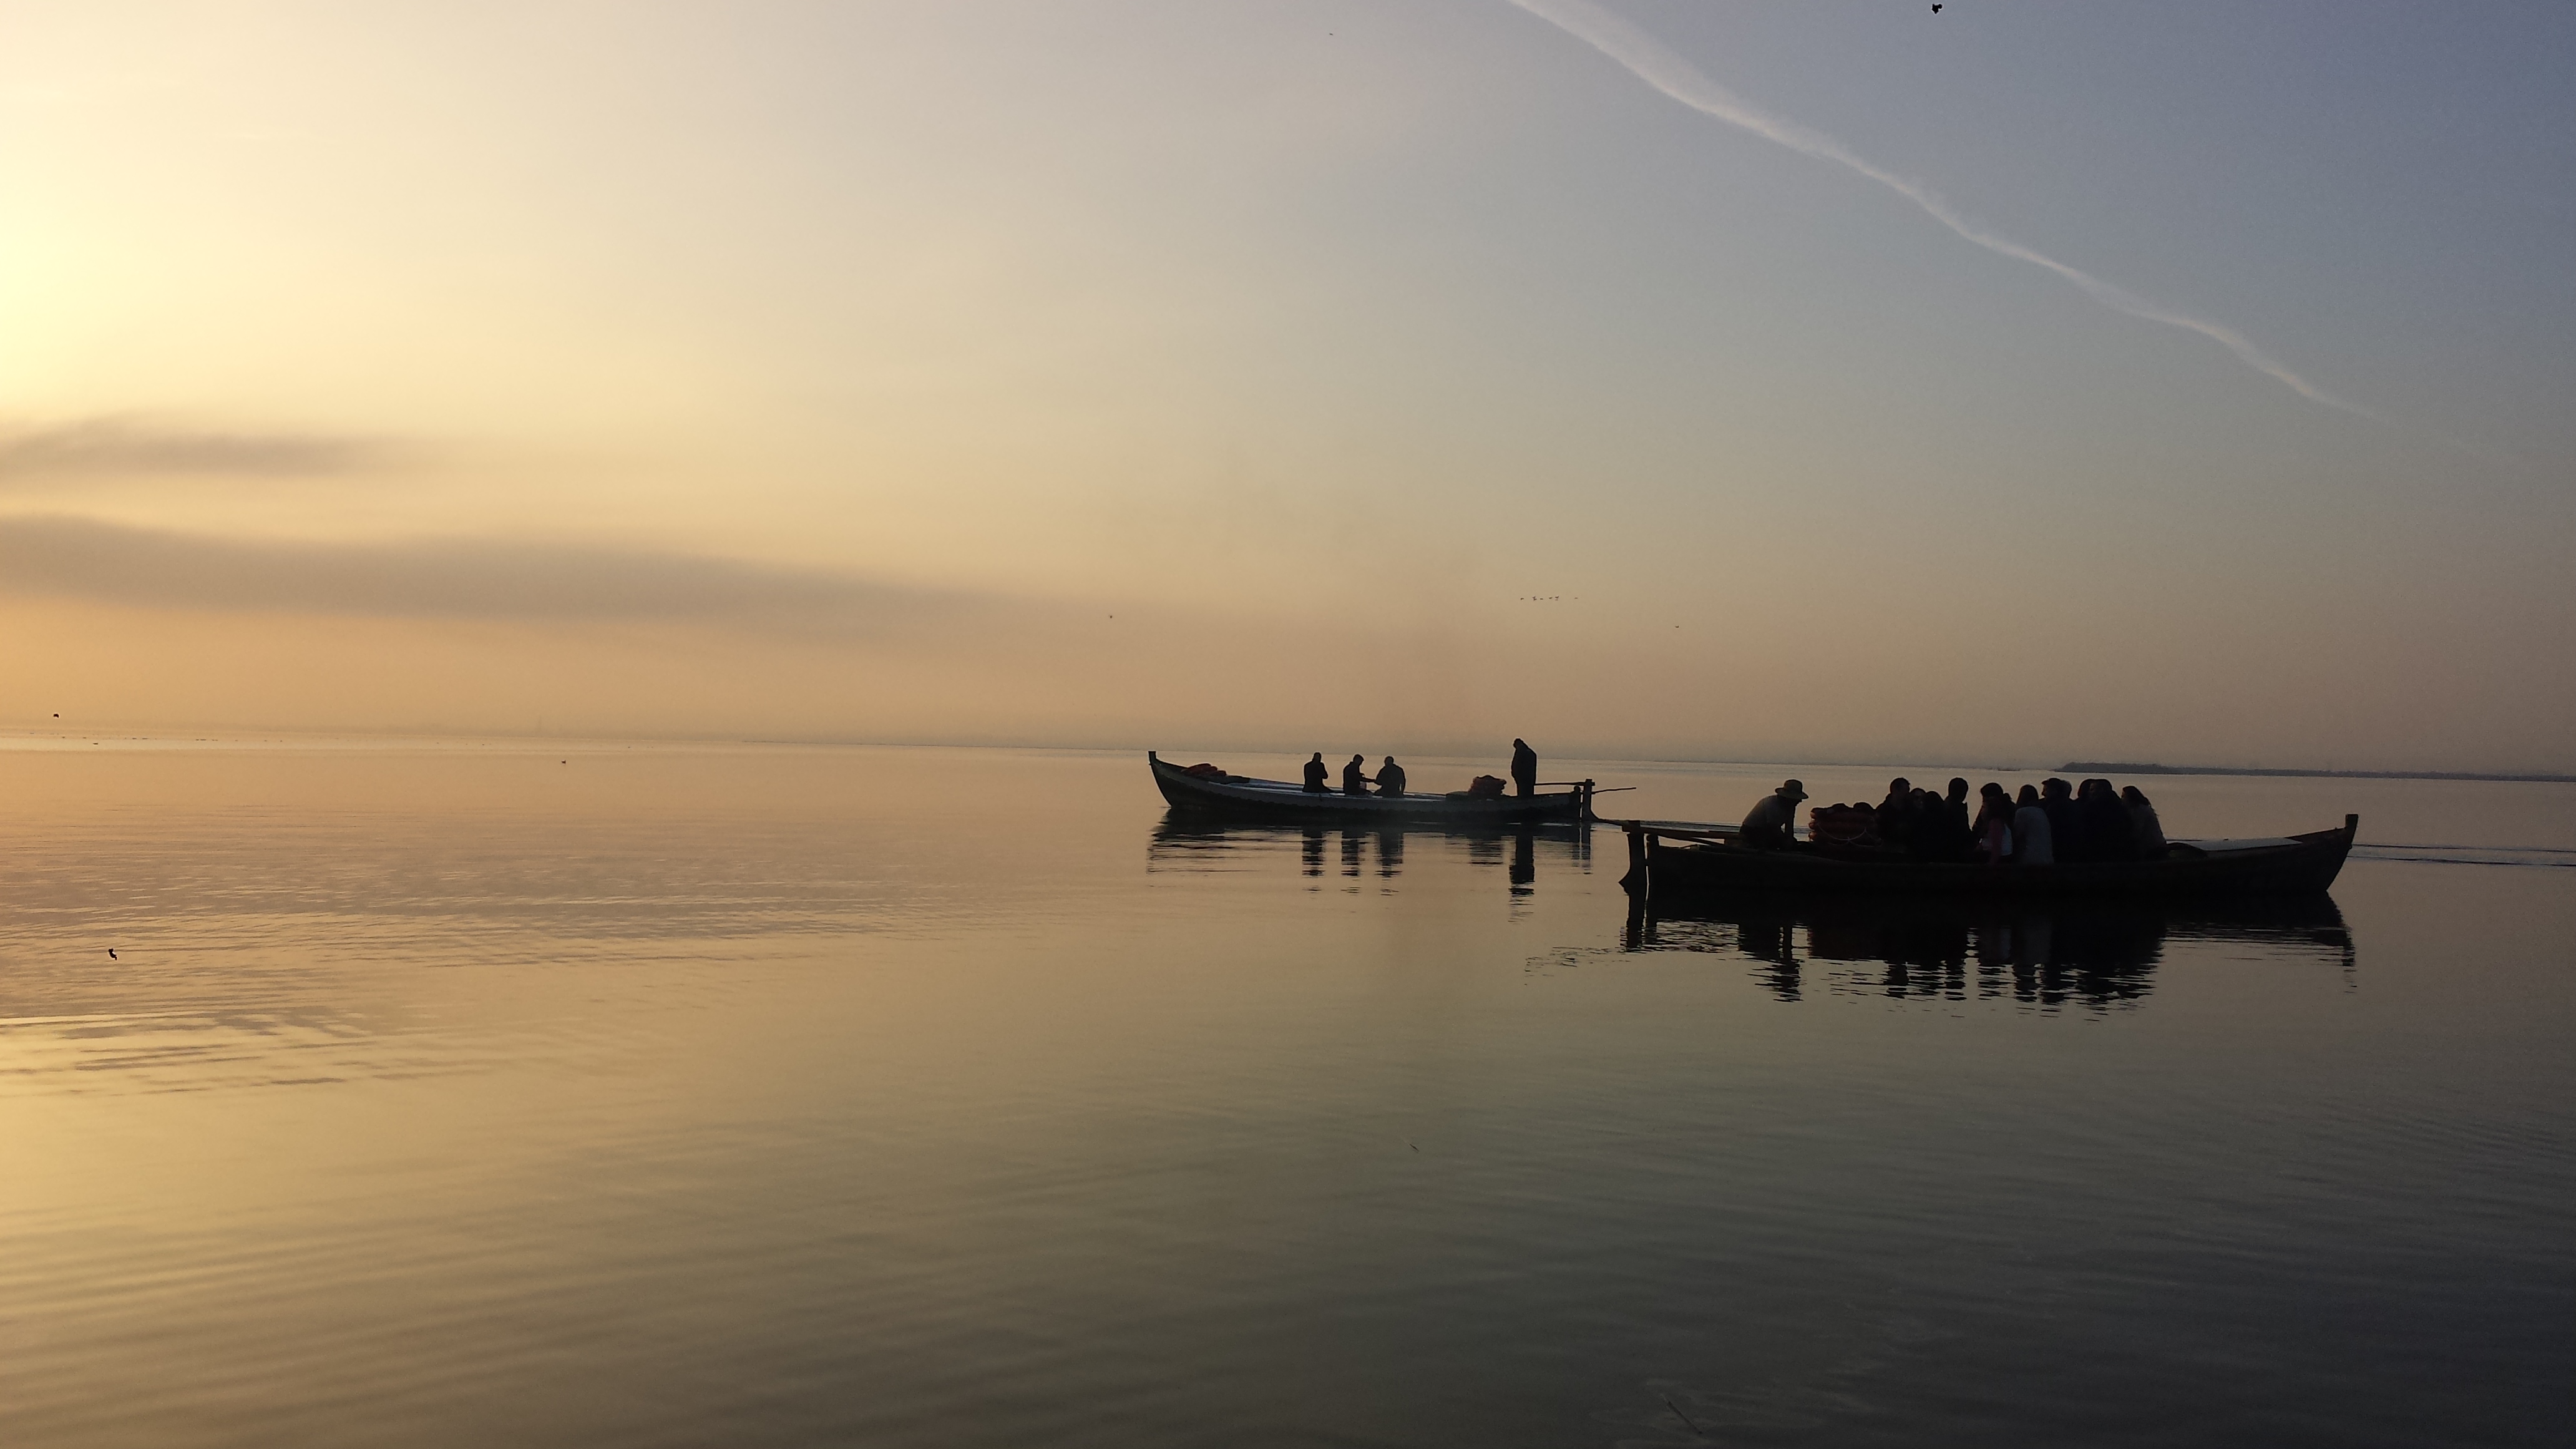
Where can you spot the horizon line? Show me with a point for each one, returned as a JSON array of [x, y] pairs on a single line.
[[130, 735]]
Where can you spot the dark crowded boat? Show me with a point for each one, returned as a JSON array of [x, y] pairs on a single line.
[[2097, 843], [1210, 789]]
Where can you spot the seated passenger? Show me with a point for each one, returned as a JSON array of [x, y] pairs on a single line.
[[1922, 824], [2031, 836], [2146, 832], [2104, 822], [1770, 824], [1930, 834], [1893, 825], [1994, 825], [2057, 801], [1390, 781], [1355, 779], [2072, 828], [1318, 775], [1960, 840]]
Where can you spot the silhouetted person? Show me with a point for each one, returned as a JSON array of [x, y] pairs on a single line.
[[1892, 812], [1355, 776], [1994, 825], [1961, 837], [2146, 832], [2103, 822], [1390, 781], [2033, 841], [1773, 820], [1930, 835], [1524, 769], [1318, 775], [1922, 824], [2057, 798]]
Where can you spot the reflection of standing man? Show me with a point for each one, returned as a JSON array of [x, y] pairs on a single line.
[[1524, 769]]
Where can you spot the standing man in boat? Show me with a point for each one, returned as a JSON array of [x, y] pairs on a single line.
[[1772, 823], [1355, 779], [1524, 769], [1390, 781], [1317, 775]]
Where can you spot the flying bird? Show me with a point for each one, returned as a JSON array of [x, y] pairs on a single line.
[[1936, 9]]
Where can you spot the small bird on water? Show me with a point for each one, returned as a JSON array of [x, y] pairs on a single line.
[[111, 953]]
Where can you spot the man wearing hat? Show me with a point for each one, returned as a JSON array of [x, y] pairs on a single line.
[[1770, 823]]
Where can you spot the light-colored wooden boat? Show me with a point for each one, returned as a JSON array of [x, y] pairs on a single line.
[[1244, 798]]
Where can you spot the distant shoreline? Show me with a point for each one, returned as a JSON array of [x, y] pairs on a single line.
[[130, 737], [2102, 767]]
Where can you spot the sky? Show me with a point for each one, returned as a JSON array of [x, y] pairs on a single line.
[[1698, 378]]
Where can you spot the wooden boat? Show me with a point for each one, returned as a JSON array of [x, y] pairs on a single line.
[[1666, 859], [1243, 798]]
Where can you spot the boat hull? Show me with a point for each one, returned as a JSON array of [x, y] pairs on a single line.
[[2292, 865], [1240, 798]]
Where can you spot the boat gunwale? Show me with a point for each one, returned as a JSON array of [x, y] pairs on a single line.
[[1709, 861]]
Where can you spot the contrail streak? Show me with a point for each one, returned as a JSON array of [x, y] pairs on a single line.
[[1658, 65]]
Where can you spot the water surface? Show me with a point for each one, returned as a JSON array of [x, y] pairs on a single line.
[[910, 1097]]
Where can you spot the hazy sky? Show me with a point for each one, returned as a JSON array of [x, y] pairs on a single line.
[[2181, 381]]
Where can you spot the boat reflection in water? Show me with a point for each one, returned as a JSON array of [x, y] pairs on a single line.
[[1193, 842], [2099, 954]]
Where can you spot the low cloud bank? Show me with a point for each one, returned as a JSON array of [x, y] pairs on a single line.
[[133, 446], [462, 578]]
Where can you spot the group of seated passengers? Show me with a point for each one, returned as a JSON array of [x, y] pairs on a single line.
[[2046, 825], [1355, 776], [1390, 780]]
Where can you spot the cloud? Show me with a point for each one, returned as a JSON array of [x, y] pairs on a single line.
[[460, 578], [1658, 65], [127, 446]]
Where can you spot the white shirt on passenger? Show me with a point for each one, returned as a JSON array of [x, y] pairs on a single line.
[[2030, 833]]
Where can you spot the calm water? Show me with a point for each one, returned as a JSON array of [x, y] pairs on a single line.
[[914, 1097]]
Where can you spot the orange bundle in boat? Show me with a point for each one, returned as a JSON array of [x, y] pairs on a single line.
[[1841, 824]]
